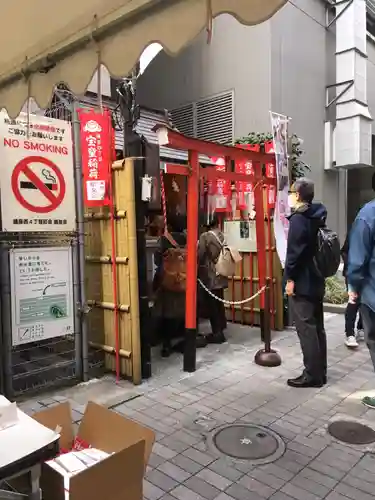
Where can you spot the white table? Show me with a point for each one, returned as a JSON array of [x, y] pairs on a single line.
[[23, 448]]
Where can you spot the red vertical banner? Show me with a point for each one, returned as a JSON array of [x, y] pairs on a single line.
[[245, 167], [271, 196], [271, 173], [220, 188], [241, 200], [96, 151]]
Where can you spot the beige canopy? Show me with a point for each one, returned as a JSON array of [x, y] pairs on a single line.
[[45, 42]]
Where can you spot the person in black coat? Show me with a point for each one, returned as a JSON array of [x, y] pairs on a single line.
[[304, 284], [169, 307]]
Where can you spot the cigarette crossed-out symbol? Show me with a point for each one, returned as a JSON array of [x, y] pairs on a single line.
[[52, 192], [52, 185], [48, 175]]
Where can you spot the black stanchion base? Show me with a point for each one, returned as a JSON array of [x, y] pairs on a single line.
[[267, 358], [190, 351]]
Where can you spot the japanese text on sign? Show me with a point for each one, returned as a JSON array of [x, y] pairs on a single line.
[[96, 144], [37, 176], [42, 294]]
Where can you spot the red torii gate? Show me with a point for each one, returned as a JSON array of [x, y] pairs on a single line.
[[173, 139]]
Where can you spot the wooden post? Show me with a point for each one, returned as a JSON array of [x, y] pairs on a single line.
[[133, 272]]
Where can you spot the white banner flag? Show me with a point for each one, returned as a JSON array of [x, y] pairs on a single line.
[[280, 222]]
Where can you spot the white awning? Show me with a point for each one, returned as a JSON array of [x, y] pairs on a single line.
[[45, 42]]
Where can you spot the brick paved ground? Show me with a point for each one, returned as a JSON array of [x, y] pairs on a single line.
[[229, 387]]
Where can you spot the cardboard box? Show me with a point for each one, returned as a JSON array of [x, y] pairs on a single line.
[[118, 477]]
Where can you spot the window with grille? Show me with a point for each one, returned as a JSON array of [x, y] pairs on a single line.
[[370, 26], [210, 119], [183, 119], [371, 7], [214, 118]]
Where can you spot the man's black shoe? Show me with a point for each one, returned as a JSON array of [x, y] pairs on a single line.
[[216, 338], [301, 381]]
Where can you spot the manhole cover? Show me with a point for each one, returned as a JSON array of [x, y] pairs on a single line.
[[352, 432], [249, 442]]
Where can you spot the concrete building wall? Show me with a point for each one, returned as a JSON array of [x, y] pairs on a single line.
[[371, 75], [303, 64], [360, 183], [238, 58], [299, 76]]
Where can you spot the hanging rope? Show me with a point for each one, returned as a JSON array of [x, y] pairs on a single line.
[[99, 91], [209, 21], [28, 82], [99, 63], [163, 199]]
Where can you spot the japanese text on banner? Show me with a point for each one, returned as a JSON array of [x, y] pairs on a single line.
[[220, 189], [271, 174], [246, 168], [96, 150]]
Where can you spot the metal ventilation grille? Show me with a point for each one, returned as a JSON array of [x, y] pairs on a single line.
[[371, 7], [183, 119], [147, 121], [214, 118]]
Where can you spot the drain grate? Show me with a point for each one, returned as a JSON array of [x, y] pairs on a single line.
[[351, 432], [257, 444]]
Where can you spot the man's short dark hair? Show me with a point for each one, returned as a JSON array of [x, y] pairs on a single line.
[[305, 188]]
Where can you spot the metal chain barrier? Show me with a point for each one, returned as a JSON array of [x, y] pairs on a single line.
[[235, 302]]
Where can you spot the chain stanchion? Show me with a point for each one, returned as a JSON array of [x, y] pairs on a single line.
[[267, 356], [232, 302]]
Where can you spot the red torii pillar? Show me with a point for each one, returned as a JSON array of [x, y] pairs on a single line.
[[171, 138]]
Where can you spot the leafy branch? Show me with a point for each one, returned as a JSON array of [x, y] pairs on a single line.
[[298, 166]]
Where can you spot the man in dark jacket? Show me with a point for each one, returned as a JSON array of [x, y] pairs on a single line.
[[305, 285]]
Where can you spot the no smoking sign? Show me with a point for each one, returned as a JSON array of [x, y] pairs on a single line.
[[37, 175], [38, 184]]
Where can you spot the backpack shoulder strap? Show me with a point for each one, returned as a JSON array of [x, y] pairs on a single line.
[[222, 244]]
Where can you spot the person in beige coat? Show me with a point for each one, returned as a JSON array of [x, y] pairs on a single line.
[[209, 248]]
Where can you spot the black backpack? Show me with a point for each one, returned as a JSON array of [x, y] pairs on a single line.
[[328, 252]]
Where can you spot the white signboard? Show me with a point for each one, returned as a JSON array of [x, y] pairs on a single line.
[[36, 182], [281, 222], [42, 294], [241, 235]]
